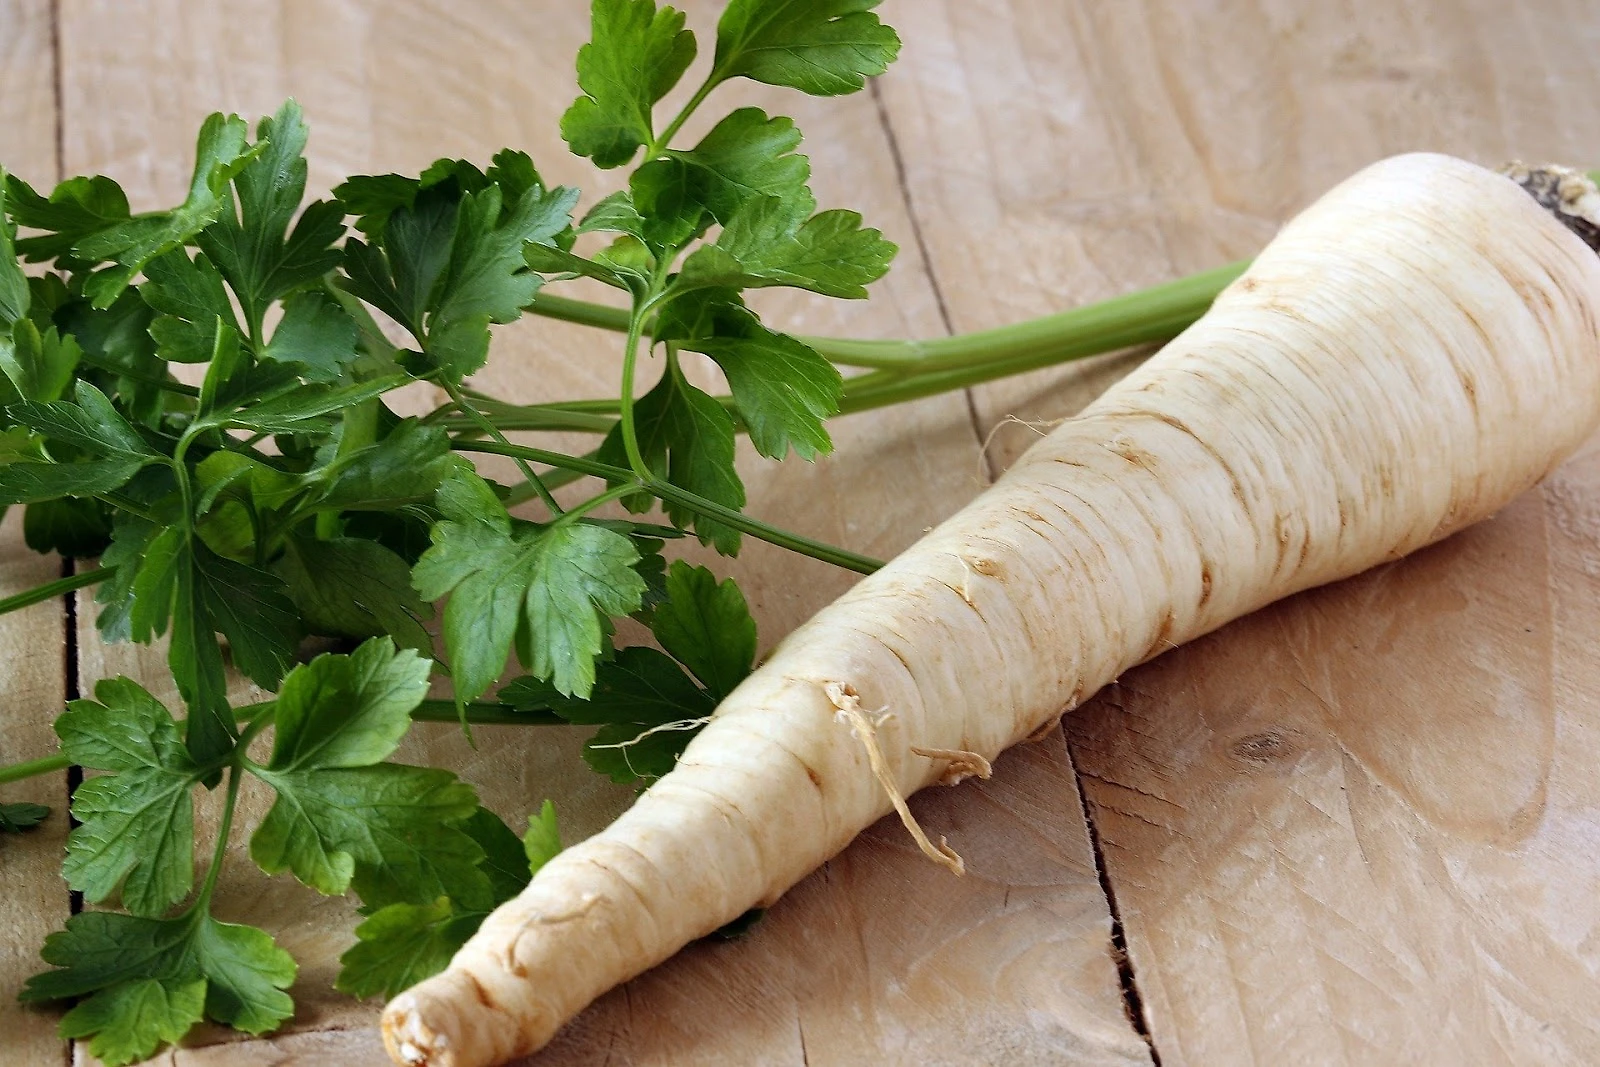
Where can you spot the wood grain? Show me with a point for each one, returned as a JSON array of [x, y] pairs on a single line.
[[1358, 827], [32, 646], [1013, 962]]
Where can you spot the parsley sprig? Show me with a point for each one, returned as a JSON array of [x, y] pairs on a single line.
[[283, 498]]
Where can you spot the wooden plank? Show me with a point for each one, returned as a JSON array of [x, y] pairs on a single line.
[[1010, 963], [1358, 827], [32, 641]]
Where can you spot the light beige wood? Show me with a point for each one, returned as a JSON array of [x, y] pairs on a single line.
[[33, 654], [1360, 826], [1011, 963]]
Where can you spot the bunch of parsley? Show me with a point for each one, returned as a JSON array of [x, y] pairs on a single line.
[[282, 497]]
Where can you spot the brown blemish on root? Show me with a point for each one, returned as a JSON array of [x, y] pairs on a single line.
[[479, 991], [1234, 482], [848, 702], [811, 773], [1163, 637], [1205, 585]]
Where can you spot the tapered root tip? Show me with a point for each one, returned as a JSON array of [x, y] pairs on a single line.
[[409, 1039], [1567, 194]]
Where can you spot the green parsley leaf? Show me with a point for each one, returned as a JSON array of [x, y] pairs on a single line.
[[351, 587], [245, 973], [209, 593], [253, 247], [557, 586], [505, 860], [193, 304], [347, 711], [648, 709], [613, 213], [821, 47], [687, 437], [784, 389], [374, 198], [14, 296], [92, 424], [405, 467], [316, 334], [338, 809], [706, 626], [29, 483], [634, 57], [543, 840], [136, 601], [647, 706], [19, 816], [830, 253], [220, 152], [75, 209], [550, 260], [401, 944], [394, 820], [488, 279], [39, 365], [78, 529], [130, 1021], [746, 156], [398, 274], [137, 823], [291, 410]]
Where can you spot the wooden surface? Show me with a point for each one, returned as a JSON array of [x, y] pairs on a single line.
[[1360, 827]]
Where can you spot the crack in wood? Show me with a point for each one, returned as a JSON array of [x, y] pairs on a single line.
[[904, 185], [1132, 1000]]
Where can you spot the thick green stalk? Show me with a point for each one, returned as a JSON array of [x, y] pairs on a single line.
[[16, 772], [924, 368], [1149, 315], [582, 312]]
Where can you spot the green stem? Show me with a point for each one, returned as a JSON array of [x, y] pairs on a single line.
[[914, 369], [582, 312], [699, 97], [1150, 315], [479, 713], [224, 830], [50, 590], [614, 493], [630, 432], [489, 428], [670, 493], [1161, 311], [16, 772], [483, 714]]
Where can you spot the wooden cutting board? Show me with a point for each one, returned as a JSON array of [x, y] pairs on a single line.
[[1362, 826]]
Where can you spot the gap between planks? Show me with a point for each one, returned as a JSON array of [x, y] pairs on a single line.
[[1132, 1001]]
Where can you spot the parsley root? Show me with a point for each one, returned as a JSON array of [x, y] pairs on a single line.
[[1407, 356]]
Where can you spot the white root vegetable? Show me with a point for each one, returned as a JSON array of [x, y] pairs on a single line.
[[1407, 356]]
